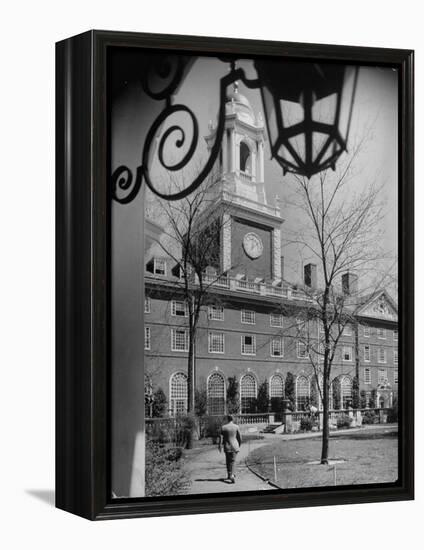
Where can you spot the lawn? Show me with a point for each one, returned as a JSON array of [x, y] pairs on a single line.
[[368, 458]]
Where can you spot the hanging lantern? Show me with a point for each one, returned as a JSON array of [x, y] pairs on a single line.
[[308, 110]]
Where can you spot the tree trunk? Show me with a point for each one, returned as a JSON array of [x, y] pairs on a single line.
[[191, 382], [325, 425]]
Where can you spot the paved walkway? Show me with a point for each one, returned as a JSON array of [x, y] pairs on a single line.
[[206, 466], [207, 470]]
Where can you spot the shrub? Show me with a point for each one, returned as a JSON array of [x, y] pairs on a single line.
[[262, 402], [369, 417], [211, 426], [200, 402], [233, 398], [290, 390], [164, 473], [306, 424], [343, 421], [159, 403]]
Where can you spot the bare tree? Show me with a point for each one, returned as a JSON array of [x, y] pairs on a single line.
[[192, 239], [341, 233]]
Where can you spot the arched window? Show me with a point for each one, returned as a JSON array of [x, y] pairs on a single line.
[[245, 158], [276, 386], [216, 394], [346, 392], [302, 393], [248, 393], [178, 393]]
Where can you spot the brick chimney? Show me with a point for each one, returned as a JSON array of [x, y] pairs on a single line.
[[310, 275], [349, 283]]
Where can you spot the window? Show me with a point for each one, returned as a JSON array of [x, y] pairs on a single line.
[[347, 331], [367, 332], [216, 342], [179, 308], [381, 333], [347, 353], [216, 394], [216, 313], [320, 327], [179, 337], [382, 376], [302, 350], [277, 347], [159, 266], [178, 393], [346, 392], [395, 335], [248, 316], [245, 158], [381, 355], [248, 393], [395, 356], [276, 320], [146, 337], [395, 375], [146, 304], [367, 354], [302, 393], [276, 386], [367, 375], [248, 344]]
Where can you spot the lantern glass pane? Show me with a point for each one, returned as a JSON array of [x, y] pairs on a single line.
[[298, 144], [291, 112], [324, 110], [346, 101], [270, 116], [285, 154], [318, 142]]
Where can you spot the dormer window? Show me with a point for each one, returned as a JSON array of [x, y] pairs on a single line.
[[159, 266]]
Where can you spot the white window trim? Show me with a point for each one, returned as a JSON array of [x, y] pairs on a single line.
[[281, 340], [369, 380], [395, 335], [210, 333], [147, 330], [253, 336], [396, 375], [343, 354], [395, 356], [369, 354], [243, 311], [147, 304], [155, 262], [381, 380], [366, 331], [306, 356], [174, 306], [279, 324], [215, 308], [347, 330], [384, 337], [186, 341], [385, 356]]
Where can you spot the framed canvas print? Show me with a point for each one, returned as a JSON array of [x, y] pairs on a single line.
[[234, 275]]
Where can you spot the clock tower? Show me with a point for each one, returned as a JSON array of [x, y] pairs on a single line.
[[250, 241]]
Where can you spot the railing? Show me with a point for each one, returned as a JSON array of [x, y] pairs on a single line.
[[248, 286]]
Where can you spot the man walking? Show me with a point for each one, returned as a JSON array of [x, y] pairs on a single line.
[[230, 438]]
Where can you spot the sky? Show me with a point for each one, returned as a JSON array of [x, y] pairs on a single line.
[[375, 111]]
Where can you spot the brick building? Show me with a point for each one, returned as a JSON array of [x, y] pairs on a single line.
[[251, 330]]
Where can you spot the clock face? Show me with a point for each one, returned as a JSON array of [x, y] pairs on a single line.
[[252, 245]]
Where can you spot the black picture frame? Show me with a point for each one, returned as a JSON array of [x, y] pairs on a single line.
[[82, 303]]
